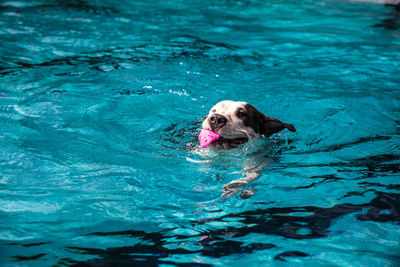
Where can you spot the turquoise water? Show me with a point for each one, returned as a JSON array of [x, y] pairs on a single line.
[[101, 104]]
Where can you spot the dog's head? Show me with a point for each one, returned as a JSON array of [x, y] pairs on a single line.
[[237, 122]]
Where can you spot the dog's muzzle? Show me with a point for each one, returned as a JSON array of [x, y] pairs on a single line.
[[217, 121]]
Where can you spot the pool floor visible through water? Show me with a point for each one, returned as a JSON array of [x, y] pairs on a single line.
[[101, 104]]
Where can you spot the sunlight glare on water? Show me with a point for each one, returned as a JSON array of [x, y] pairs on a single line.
[[101, 103]]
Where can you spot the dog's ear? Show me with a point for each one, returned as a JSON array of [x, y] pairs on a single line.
[[264, 125], [272, 125]]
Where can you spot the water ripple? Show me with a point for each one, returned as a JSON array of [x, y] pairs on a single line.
[[101, 105]]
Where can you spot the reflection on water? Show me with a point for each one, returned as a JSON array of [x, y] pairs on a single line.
[[101, 104]]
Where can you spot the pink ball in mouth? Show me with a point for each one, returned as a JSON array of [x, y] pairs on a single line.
[[206, 137]]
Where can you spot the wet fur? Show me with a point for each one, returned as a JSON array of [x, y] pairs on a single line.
[[237, 122]]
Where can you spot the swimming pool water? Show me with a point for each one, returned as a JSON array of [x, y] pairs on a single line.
[[101, 104]]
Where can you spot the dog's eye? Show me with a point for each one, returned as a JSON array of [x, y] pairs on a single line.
[[241, 114]]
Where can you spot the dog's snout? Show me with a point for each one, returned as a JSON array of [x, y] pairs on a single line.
[[217, 121]]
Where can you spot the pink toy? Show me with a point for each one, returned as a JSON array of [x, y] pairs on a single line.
[[206, 137]]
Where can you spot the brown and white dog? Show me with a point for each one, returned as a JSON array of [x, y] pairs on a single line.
[[237, 123]]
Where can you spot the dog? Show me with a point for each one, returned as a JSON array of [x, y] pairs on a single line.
[[237, 123]]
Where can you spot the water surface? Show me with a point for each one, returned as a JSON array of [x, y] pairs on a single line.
[[100, 108]]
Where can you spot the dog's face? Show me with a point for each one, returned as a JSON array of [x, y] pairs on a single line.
[[237, 122]]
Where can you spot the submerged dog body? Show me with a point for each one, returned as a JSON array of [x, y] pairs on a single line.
[[230, 124], [237, 122]]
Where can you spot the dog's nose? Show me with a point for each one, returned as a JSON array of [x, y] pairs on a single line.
[[217, 121]]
